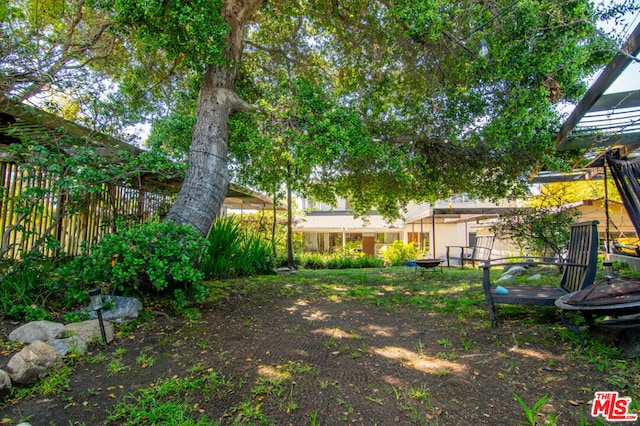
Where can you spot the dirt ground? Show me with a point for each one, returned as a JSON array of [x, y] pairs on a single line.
[[342, 362]]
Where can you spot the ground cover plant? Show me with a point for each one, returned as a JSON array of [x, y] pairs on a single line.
[[321, 347]]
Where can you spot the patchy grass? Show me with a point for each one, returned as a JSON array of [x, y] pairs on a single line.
[[219, 363]]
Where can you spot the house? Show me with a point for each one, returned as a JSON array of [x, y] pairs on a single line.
[[454, 222], [327, 229], [457, 221]]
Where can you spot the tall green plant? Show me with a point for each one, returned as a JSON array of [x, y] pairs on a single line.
[[24, 288], [235, 250], [223, 239], [398, 252]]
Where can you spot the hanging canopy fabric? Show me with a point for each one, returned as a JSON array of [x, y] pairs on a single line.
[[625, 174]]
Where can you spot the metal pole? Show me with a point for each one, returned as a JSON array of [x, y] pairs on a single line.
[[433, 232], [102, 332], [606, 208]]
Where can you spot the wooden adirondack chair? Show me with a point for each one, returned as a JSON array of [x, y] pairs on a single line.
[[479, 252], [579, 271]]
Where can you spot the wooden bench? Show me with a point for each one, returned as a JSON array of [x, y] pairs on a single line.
[[579, 271], [479, 252]]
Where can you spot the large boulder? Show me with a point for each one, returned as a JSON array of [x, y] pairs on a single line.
[[89, 331], [36, 330], [516, 271], [124, 309], [73, 344], [33, 362]]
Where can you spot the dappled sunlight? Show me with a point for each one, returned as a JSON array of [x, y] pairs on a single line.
[[335, 332], [393, 381], [379, 331], [455, 289], [531, 353], [296, 306], [418, 362], [315, 315], [272, 372]]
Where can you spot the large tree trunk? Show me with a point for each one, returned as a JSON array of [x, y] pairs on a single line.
[[207, 179]]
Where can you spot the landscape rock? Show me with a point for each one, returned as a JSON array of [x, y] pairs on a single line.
[[506, 277], [516, 271], [535, 277], [89, 331], [73, 344], [32, 362], [5, 384], [36, 330], [126, 308]]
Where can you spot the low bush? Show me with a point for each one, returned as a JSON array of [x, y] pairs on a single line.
[[398, 252], [156, 257], [338, 261]]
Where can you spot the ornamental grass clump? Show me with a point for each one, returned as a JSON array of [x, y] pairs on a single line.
[[236, 251]]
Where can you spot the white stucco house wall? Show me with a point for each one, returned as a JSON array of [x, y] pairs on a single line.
[[453, 222]]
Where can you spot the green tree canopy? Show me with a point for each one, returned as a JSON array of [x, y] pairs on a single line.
[[379, 101]]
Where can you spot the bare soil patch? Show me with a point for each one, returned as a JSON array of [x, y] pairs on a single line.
[[341, 361]]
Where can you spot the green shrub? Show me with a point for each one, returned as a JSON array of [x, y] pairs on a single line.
[[311, 260], [398, 253], [233, 250], [24, 288], [256, 255], [155, 256], [338, 261], [368, 262]]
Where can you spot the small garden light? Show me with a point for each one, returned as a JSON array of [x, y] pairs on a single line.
[[95, 297], [484, 49]]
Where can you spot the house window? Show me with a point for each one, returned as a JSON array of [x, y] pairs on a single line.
[[335, 241]]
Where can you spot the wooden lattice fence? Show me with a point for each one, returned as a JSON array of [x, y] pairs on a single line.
[[33, 212]]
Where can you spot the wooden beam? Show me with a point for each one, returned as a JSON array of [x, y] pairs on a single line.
[[611, 72], [616, 101], [600, 140], [26, 113]]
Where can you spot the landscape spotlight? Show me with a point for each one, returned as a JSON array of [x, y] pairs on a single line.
[[95, 297]]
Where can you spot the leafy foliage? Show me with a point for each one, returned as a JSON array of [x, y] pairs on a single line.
[[63, 176], [398, 253], [190, 30], [343, 260], [24, 287], [541, 230], [380, 102], [235, 251], [150, 257]]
